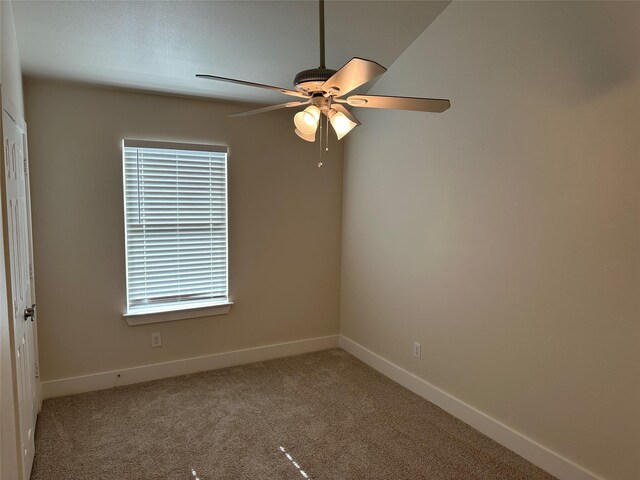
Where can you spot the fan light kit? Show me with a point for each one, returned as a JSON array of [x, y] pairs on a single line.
[[323, 89]]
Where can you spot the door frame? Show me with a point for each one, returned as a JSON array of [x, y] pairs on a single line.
[[32, 276]]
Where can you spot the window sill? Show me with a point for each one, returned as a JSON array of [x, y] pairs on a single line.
[[172, 315]]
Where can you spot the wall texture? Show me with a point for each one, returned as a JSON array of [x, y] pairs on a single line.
[[504, 234], [10, 64], [284, 228]]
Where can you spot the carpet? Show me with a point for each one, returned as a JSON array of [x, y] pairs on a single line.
[[322, 415]]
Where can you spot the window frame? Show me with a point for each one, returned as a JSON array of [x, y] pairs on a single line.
[[167, 313]]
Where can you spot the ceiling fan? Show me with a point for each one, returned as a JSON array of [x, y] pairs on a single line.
[[323, 89]]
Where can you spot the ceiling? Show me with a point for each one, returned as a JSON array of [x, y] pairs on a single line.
[[160, 46]]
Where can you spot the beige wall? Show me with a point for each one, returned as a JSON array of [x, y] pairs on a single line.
[[284, 228], [504, 234], [11, 73]]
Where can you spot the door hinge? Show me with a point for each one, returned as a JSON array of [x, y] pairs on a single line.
[[37, 370], [26, 165], [31, 271]]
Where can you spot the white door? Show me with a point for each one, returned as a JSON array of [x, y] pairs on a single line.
[[18, 257]]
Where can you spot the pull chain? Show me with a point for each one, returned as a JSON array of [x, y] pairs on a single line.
[[326, 138], [320, 143], [326, 130]]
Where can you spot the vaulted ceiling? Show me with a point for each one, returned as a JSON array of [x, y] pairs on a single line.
[[160, 46]]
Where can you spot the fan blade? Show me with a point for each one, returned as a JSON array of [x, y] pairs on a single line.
[[347, 113], [354, 73], [293, 93], [397, 103], [270, 108]]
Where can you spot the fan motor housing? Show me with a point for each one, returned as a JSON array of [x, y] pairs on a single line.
[[310, 81]]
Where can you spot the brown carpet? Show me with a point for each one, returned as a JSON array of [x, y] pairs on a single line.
[[325, 415]]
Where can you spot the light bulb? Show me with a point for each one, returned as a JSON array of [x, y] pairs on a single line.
[[310, 137], [341, 124], [307, 120]]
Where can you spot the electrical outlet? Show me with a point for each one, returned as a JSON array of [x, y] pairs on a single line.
[[417, 350], [156, 340]]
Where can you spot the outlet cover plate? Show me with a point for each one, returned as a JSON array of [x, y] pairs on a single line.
[[156, 340]]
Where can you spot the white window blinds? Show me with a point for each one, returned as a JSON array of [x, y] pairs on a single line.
[[175, 225]]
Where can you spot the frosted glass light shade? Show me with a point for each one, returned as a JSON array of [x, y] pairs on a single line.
[[310, 137], [306, 121], [341, 124]]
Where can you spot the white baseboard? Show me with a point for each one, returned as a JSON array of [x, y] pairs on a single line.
[[145, 373], [525, 447]]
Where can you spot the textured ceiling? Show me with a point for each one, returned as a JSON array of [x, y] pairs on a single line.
[[159, 46]]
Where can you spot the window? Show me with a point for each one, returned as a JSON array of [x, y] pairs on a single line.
[[175, 199]]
